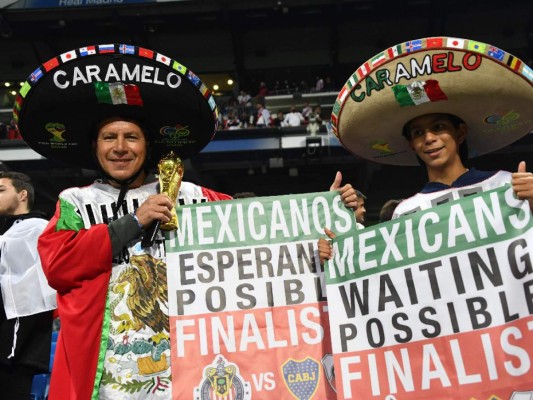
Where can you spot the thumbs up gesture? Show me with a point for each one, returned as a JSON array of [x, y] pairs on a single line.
[[522, 182], [347, 192]]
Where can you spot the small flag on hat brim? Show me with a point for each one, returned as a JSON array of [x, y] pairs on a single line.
[[180, 68], [378, 60], [106, 48], [514, 63], [36, 75], [418, 92], [478, 47], [363, 70], [146, 53], [394, 51], [434, 42], [87, 51], [455, 43], [68, 56], [342, 95], [18, 101], [51, 64], [527, 72], [352, 81], [413, 45], [496, 53], [117, 93], [163, 59], [194, 79], [126, 49], [25, 88]]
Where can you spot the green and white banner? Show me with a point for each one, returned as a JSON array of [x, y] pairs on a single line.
[[437, 304], [246, 294]]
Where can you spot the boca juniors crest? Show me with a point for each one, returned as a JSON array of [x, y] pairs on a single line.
[[222, 382], [301, 377]]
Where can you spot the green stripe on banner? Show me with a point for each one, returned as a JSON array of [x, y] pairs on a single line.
[[258, 221], [477, 220]]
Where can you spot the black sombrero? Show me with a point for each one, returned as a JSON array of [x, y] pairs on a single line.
[[490, 89], [61, 102]]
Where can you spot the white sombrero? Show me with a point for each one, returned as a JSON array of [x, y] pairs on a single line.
[[490, 89]]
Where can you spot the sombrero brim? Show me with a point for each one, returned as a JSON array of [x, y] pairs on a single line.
[[488, 88], [61, 102]]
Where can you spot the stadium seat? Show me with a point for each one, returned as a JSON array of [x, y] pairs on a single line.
[[41, 382], [39, 387]]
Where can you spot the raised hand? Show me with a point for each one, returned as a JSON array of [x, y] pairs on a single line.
[[325, 248], [522, 182], [347, 192], [156, 207]]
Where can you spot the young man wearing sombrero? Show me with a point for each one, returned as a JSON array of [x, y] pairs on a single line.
[[437, 101], [119, 108]]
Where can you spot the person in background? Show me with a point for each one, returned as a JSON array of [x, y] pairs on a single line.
[[387, 210], [319, 84], [279, 120], [27, 301], [307, 110], [262, 91], [329, 86], [12, 131], [231, 122], [245, 102], [246, 120], [318, 114], [262, 117], [293, 118], [360, 212]]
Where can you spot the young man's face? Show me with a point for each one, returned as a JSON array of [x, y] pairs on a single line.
[[9, 198], [120, 148], [436, 140]]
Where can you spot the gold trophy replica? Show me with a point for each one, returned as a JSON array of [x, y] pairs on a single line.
[[170, 176]]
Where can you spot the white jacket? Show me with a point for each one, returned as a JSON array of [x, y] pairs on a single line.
[[25, 289]]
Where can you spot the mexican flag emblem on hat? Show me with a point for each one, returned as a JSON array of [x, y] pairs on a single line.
[[61, 102], [490, 89]]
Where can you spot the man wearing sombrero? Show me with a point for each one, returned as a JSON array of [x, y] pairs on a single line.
[[119, 108], [437, 101]]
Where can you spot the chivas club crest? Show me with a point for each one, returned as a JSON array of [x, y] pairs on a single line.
[[301, 377], [221, 381]]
